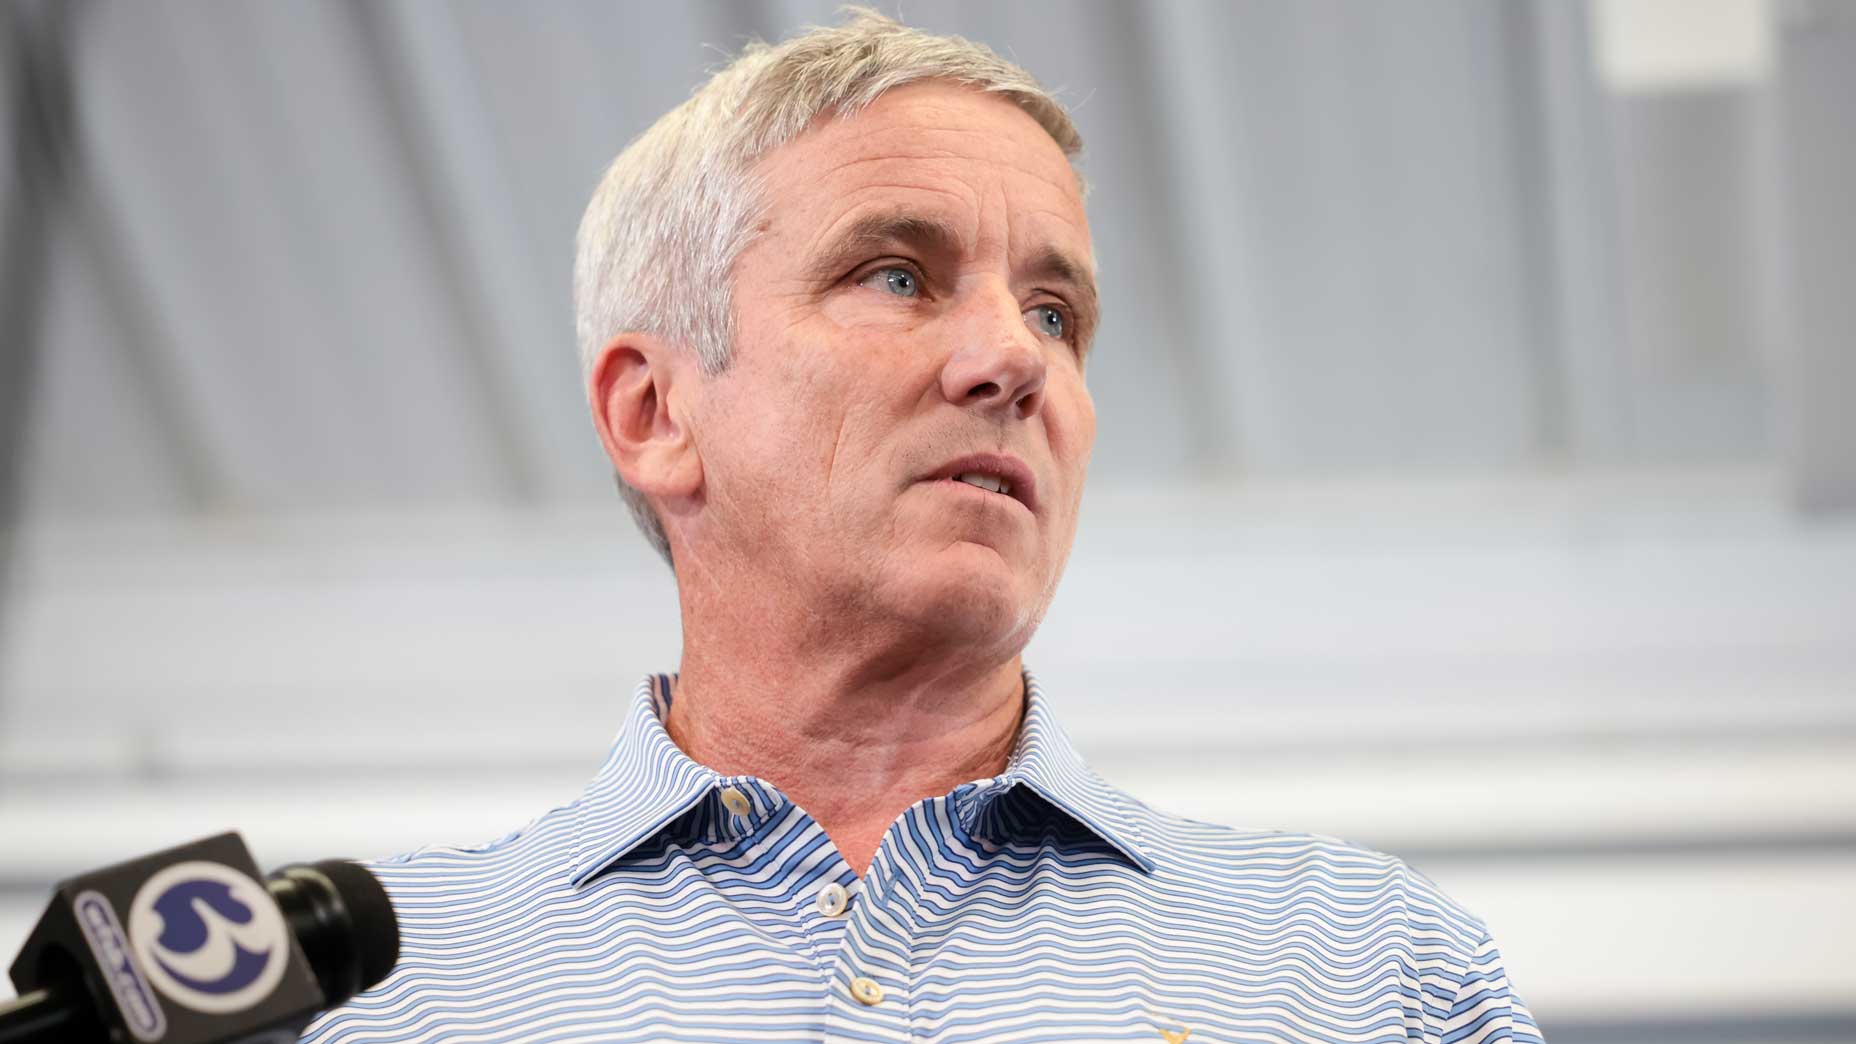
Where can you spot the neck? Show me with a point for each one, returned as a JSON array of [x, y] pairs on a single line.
[[855, 736]]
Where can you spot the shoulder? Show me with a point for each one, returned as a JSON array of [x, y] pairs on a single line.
[[1328, 877], [454, 903], [1338, 903], [454, 870]]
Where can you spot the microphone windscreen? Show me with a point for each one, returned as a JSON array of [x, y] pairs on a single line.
[[376, 928]]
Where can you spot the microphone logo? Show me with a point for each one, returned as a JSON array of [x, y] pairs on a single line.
[[140, 1011], [209, 937]]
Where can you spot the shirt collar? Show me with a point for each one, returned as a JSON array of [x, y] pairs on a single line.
[[1047, 763], [647, 782]]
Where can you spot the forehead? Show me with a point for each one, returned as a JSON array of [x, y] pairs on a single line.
[[975, 161]]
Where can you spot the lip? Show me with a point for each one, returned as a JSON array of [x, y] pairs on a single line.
[[1009, 468]]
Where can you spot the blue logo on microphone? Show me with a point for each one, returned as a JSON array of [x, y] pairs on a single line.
[[209, 937], [185, 911]]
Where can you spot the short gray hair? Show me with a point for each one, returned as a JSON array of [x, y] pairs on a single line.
[[660, 237]]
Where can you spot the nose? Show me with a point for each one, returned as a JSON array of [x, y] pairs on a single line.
[[999, 368]]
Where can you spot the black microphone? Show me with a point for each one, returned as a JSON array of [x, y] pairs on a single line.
[[190, 946]]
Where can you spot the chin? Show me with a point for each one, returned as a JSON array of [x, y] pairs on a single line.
[[967, 592]]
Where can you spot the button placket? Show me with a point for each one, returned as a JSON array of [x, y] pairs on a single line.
[[868, 993], [825, 873]]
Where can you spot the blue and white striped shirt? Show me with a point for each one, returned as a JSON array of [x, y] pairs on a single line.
[[670, 903]]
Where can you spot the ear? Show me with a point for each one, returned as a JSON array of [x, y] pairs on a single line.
[[638, 390]]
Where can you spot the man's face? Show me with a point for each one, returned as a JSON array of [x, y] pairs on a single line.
[[916, 307]]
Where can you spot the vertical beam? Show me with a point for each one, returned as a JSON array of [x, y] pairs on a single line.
[[54, 193], [1201, 188], [419, 59], [38, 137], [40, 145], [1527, 85], [1816, 141], [1581, 214]]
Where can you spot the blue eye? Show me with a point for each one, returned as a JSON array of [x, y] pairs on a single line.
[[898, 281], [1047, 320]]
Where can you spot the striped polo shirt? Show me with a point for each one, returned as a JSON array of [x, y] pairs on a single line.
[[672, 903]]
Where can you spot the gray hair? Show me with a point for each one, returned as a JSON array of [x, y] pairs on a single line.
[[660, 237]]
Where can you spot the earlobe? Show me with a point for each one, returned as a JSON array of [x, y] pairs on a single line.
[[637, 398]]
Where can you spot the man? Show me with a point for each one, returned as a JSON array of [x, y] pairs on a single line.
[[835, 313]]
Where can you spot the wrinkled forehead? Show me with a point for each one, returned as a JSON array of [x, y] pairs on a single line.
[[970, 162]]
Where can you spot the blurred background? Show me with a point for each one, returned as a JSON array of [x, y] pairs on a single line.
[[1476, 476]]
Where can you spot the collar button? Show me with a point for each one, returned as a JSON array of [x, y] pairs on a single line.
[[736, 802]]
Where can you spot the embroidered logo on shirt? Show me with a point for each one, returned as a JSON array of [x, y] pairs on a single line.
[[1171, 1036]]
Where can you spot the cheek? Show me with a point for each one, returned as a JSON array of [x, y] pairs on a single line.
[[1072, 433], [1072, 425], [800, 423], [756, 442]]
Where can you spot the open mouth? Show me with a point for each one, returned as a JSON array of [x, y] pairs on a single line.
[[995, 473], [990, 483]]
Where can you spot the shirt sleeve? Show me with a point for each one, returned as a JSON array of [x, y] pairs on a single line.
[[1486, 1009]]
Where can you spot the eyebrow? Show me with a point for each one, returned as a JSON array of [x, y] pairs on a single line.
[[1061, 267], [879, 230], [933, 236]]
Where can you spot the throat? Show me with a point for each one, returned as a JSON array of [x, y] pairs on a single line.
[[853, 759]]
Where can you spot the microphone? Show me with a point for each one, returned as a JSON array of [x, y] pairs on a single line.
[[187, 946]]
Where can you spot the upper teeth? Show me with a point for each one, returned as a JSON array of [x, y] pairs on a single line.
[[985, 481]]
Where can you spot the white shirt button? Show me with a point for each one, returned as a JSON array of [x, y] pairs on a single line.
[[735, 801], [832, 899], [866, 991]]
